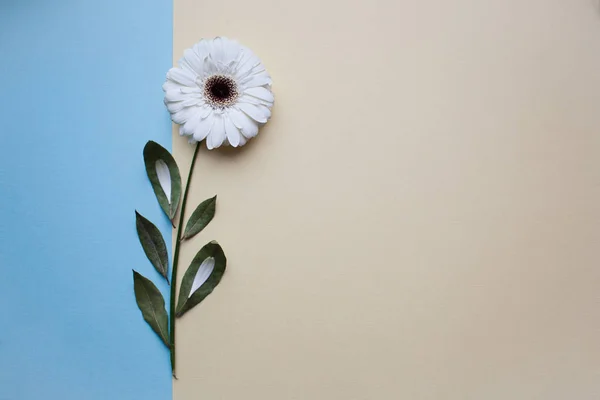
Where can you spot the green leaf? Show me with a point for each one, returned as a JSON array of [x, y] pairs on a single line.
[[187, 301], [201, 217], [164, 175], [153, 244], [152, 305]]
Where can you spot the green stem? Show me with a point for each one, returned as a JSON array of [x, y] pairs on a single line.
[[176, 260]]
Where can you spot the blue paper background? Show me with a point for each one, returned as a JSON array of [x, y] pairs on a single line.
[[80, 95]]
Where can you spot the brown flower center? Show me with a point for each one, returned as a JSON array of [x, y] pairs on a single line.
[[220, 91]]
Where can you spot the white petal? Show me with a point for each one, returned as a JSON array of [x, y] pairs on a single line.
[[191, 90], [248, 62], [246, 98], [171, 85], [180, 117], [201, 49], [265, 110], [190, 125], [257, 81], [173, 108], [191, 101], [232, 49], [216, 137], [181, 76], [204, 271], [257, 69], [246, 125], [233, 134], [261, 93], [260, 79], [175, 95], [164, 178], [187, 68], [243, 140], [193, 60], [210, 66], [253, 112], [228, 50], [203, 128], [180, 105], [205, 112], [216, 49]]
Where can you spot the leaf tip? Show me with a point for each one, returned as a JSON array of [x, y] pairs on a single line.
[[149, 143]]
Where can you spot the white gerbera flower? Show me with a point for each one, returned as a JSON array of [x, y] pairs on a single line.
[[221, 92]]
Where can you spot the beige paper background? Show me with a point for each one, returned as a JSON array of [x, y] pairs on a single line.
[[421, 217]]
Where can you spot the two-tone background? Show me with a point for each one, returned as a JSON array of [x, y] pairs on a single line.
[[419, 220]]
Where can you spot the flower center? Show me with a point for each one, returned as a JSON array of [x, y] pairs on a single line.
[[220, 91]]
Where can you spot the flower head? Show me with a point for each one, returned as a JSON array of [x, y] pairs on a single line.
[[220, 93]]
